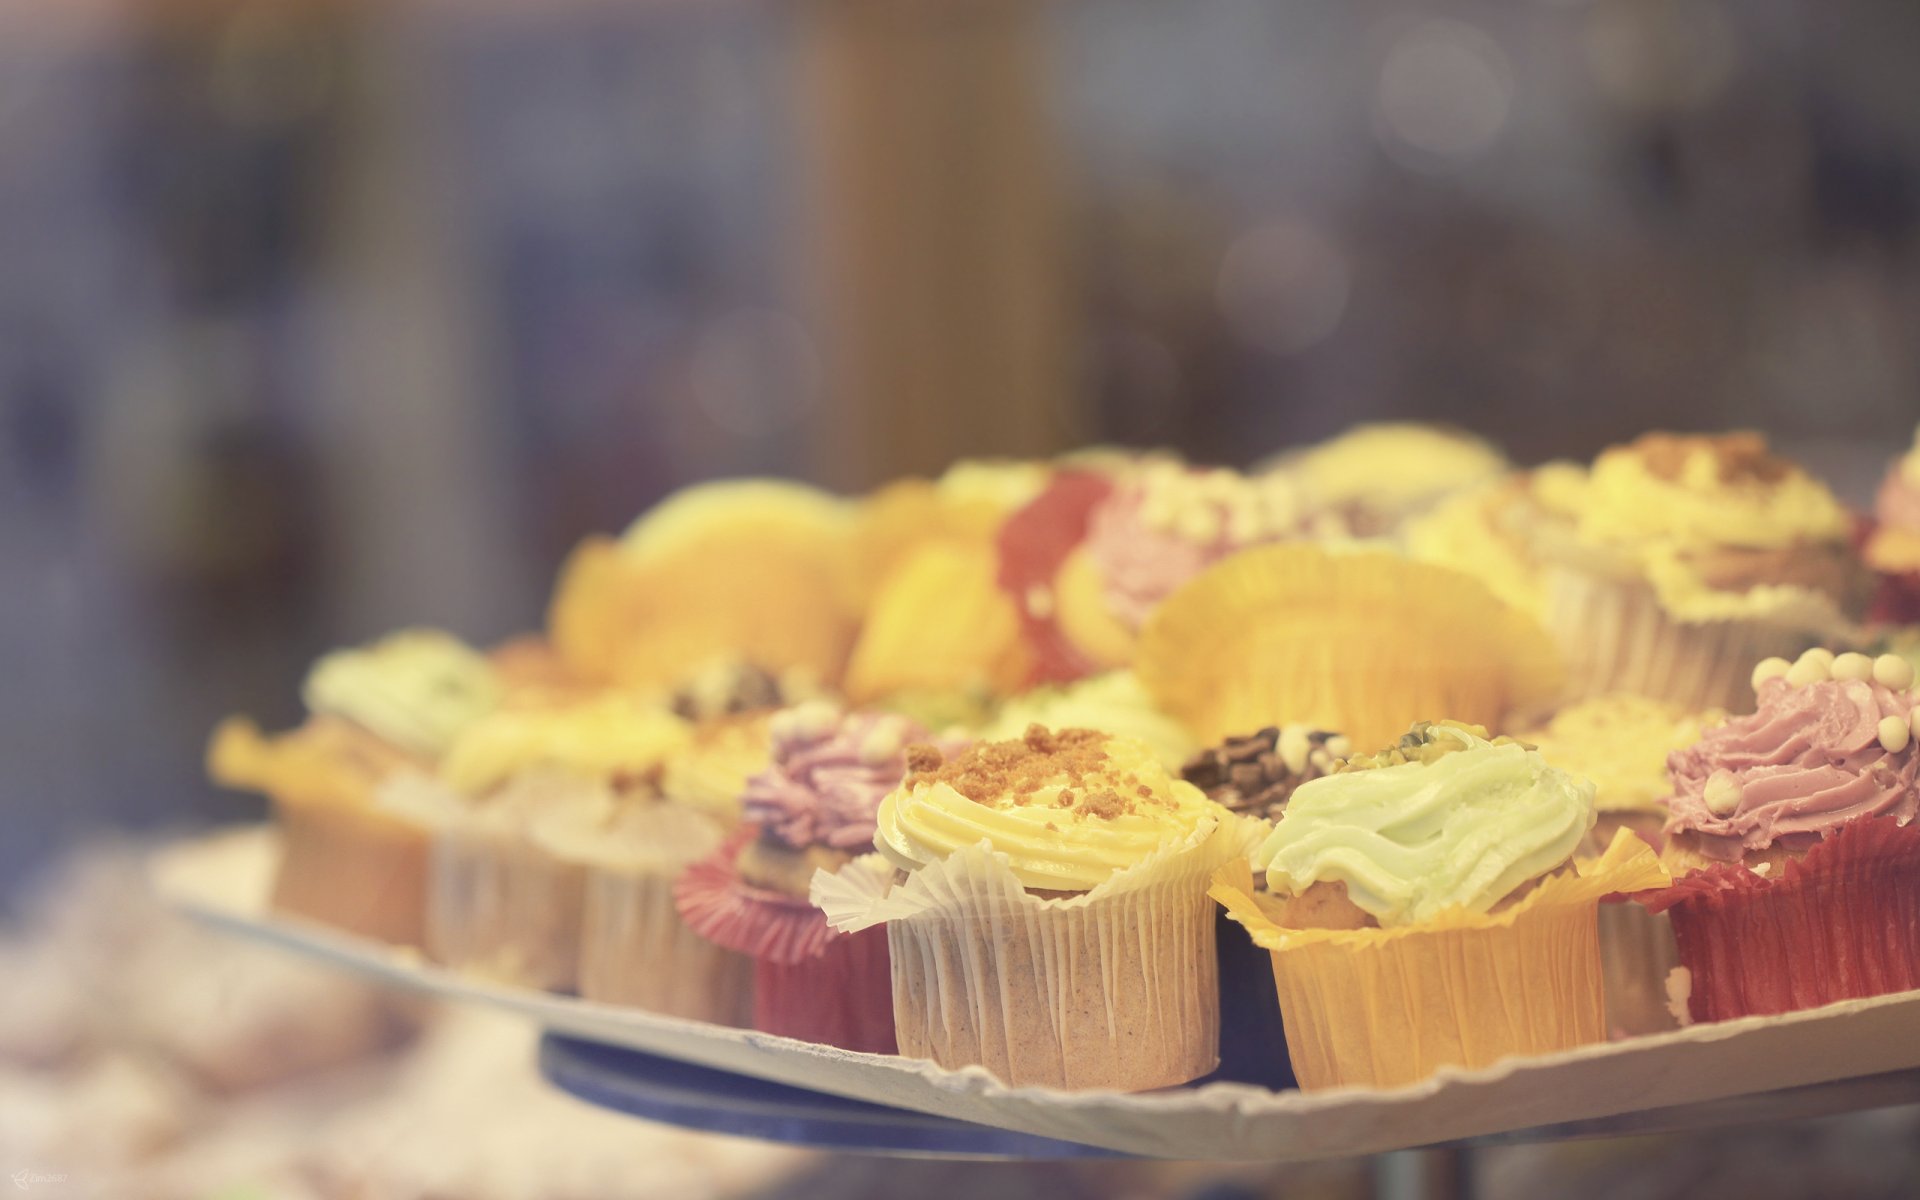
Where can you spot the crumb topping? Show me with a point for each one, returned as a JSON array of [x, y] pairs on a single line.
[[1733, 457], [1030, 770]]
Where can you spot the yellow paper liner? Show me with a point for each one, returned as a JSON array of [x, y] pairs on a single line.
[[1358, 640], [939, 622], [1114, 988], [1388, 1007]]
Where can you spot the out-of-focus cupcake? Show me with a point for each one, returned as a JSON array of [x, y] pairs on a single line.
[[1254, 776], [1051, 921], [1114, 703], [1621, 743], [1893, 544], [1483, 532], [388, 710], [1373, 478], [1792, 836], [1425, 910], [1360, 640], [520, 795], [813, 807], [1677, 562]]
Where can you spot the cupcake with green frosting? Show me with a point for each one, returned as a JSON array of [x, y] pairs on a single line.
[[1424, 909]]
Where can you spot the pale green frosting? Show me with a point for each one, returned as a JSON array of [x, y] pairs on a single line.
[[417, 689], [1114, 703], [1412, 841]]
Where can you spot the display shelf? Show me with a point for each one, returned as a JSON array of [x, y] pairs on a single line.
[[1856, 1055]]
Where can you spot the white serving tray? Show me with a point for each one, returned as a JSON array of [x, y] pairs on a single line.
[[1739, 1071]]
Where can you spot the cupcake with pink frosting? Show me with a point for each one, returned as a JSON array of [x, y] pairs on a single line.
[[1893, 545], [1791, 832], [812, 808]]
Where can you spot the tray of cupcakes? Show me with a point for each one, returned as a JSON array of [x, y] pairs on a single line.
[[1384, 795]]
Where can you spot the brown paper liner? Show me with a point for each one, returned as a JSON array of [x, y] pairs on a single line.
[[636, 950], [1616, 636], [1840, 923], [353, 868], [1385, 1008], [502, 907]]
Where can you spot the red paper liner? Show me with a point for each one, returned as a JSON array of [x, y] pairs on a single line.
[[841, 997], [1896, 601], [758, 923], [1033, 543], [1840, 923]]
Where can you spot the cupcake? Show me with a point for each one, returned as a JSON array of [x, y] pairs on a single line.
[[1483, 532], [1621, 743], [1373, 478], [1893, 544], [813, 807], [524, 798], [1425, 910], [385, 711], [1049, 918], [1792, 838], [1113, 703], [1677, 562], [1254, 776], [1034, 544]]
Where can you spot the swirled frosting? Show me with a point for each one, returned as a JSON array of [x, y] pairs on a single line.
[[1621, 742], [829, 772], [711, 775], [1171, 521], [416, 689], [1067, 809], [1811, 759], [1460, 830], [1114, 703]]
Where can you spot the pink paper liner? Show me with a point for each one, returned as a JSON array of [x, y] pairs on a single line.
[[810, 982], [1840, 923], [841, 997], [1897, 600]]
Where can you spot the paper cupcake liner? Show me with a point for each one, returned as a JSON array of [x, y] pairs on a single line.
[[1896, 601], [1116, 988], [809, 982], [1637, 954], [502, 907], [636, 950], [1840, 923], [355, 869], [1616, 636], [1388, 1007]]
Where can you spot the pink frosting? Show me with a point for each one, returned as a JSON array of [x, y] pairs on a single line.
[[1807, 762], [1898, 504], [823, 788]]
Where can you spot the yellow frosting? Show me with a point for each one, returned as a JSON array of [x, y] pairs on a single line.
[[610, 734], [1415, 840], [678, 523], [1113, 703], [1395, 467], [713, 771], [417, 689], [998, 485], [1621, 743], [1463, 532], [1047, 846], [1626, 502]]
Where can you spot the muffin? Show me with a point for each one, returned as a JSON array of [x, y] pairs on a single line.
[[1792, 838], [1254, 776], [1049, 920], [522, 794], [1677, 562], [1113, 703], [1425, 910], [385, 711], [1893, 543], [812, 807]]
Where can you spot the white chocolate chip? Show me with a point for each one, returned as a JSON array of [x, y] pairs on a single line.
[[1853, 666], [1040, 602], [1770, 668], [1891, 670], [1294, 748], [1895, 733], [1812, 667], [810, 720], [1723, 793], [1339, 746], [882, 743]]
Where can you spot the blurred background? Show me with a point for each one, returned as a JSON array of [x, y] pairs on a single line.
[[322, 317]]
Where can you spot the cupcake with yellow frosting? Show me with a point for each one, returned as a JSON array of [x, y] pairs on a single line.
[[1677, 562], [1893, 543], [1370, 480], [385, 711], [1114, 703], [528, 800], [1045, 905], [1424, 910]]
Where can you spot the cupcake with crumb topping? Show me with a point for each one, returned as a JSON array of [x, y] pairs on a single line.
[[1793, 838], [1424, 909], [1893, 543], [813, 807], [1046, 908]]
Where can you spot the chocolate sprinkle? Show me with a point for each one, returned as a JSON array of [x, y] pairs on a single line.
[[1248, 774]]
